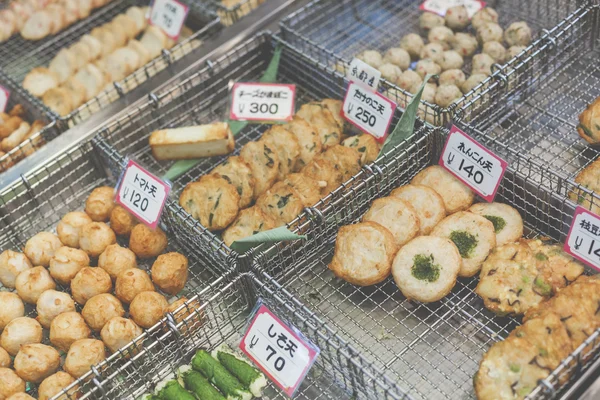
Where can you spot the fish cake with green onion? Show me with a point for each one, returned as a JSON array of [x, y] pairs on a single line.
[[323, 121], [309, 140], [248, 222], [235, 171], [324, 170], [366, 145], [335, 107], [285, 144], [456, 195], [508, 224], [264, 164], [308, 189], [281, 202], [345, 159]]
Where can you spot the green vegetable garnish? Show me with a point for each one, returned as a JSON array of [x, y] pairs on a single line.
[[541, 256], [498, 222], [586, 130], [217, 374], [525, 279], [424, 268], [464, 241], [520, 334], [196, 383], [543, 352], [544, 288], [514, 367], [524, 391]]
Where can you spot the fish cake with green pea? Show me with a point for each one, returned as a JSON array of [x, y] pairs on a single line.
[[508, 224]]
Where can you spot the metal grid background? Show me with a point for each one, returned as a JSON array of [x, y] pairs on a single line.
[[19, 56], [333, 32], [230, 14], [432, 350]]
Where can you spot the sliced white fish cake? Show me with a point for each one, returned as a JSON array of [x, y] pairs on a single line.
[[456, 195], [426, 202], [507, 221], [399, 217]]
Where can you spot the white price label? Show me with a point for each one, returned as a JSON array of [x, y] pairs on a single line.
[[262, 102], [278, 351], [441, 6], [368, 111], [4, 95], [473, 164], [364, 75], [583, 241], [142, 194], [169, 15]]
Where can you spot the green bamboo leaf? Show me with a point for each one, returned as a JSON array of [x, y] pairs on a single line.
[[406, 126], [270, 76], [274, 235]]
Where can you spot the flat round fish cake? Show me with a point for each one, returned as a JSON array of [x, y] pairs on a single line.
[[248, 222], [263, 163], [308, 188], [507, 221], [557, 268], [309, 140], [428, 204], [399, 217], [366, 145], [285, 144], [323, 121], [324, 170], [456, 195], [235, 171], [281, 202], [345, 159]]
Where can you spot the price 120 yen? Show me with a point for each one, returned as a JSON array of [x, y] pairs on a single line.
[[135, 198]]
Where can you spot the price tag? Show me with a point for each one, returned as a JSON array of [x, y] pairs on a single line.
[[364, 75], [281, 353], [441, 6], [4, 95], [583, 241], [473, 164], [368, 111], [169, 15], [262, 102], [142, 194]]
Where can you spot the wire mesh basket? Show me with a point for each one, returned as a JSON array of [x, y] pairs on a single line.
[[231, 11], [431, 350], [334, 32], [19, 56]]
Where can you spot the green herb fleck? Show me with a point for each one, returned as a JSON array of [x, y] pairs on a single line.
[[543, 352], [545, 289], [586, 130], [499, 222], [217, 202], [524, 391], [270, 161], [424, 268], [362, 149], [514, 367], [541, 256], [525, 279], [210, 219], [520, 334], [311, 148], [464, 241], [283, 201]]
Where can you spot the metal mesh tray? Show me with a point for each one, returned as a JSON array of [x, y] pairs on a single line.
[[231, 11], [19, 56], [333, 32], [430, 351]]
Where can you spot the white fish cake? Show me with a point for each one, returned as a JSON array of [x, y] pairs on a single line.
[[456, 195], [398, 216], [363, 254], [426, 202], [235, 171], [508, 224], [425, 269], [309, 140], [323, 121], [263, 163], [248, 222], [281, 202], [285, 144]]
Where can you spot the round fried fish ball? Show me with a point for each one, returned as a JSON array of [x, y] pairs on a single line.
[[495, 50], [12, 263], [170, 272], [82, 355], [371, 57], [66, 328], [452, 60], [446, 95], [508, 224], [53, 385], [69, 227], [248, 222], [5, 359], [52, 303], [41, 247], [20, 396], [425, 269], [116, 259], [518, 34], [89, 282], [398, 216], [397, 56], [465, 44], [413, 44], [31, 283], [12, 308], [366, 145], [66, 263], [95, 237], [121, 221], [363, 253], [457, 17], [132, 282], [285, 145], [324, 170], [36, 361], [100, 203], [100, 309], [428, 20], [472, 82], [281, 202], [452, 77], [456, 195], [148, 243], [390, 72], [410, 81], [442, 35], [483, 16], [514, 50], [235, 171], [118, 332], [309, 139], [433, 51], [429, 91], [482, 64], [11, 383], [427, 66], [489, 32], [324, 122], [147, 308]]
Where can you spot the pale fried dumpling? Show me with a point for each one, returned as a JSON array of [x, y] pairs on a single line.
[[69, 227], [12, 263], [52, 303], [118, 332], [41, 247], [35, 362]]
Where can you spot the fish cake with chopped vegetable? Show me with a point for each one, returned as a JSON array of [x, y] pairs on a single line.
[[456, 195], [472, 234], [425, 269], [235, 171], [281, 202], [508, 224], [366, 145], [398, 216], [248, 222], [263, 163], [323, 121], [426, 202], [556, 267], [345, 159], [324, 170], [589, 178], [308, 188], [309, 140], [285, 144], [335, 107], [212, 200]]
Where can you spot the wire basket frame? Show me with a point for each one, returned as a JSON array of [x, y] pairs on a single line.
[[19, 56], [333, 32], [433, 350], [231, 11]]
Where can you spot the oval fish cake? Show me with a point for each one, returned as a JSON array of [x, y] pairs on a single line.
[[556, 268], [248, 222], [285, 144], [323, 121], [399, 217], [212, 200], [335, 108], [425, 269], [324, 170], [507, 221], [263, 163], [456, 195], [281, 202], [363, 253], [308, 139], [308, 188], [235, 171], [472, 234], [345, 159], [589, 178], [366, 145], [426, 202]]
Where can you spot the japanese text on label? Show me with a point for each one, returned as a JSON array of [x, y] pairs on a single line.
[[440, 6], [4, 95], [369, 111], [169, 15], [364, 75], [262, 102], [583, 241], [473, 164]]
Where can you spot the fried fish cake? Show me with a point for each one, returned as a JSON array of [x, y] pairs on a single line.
[[426, 202], [398, 216], [248, 222], [263, 163], [589, 123], [324, 170], [366, 145], [235, 171], [456, 195], [508, 224], [425, 269], [281, 202], [589, 178], [335, 107], [309, 140], [363, 254], [323, 121], [556, 268], [506, 371], [472, 234], [345, 159], [308, 188], [212, 200], [285, 144]]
